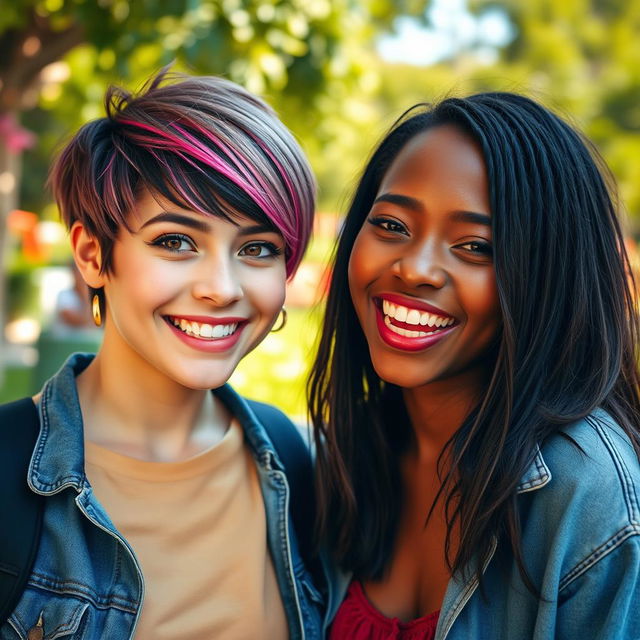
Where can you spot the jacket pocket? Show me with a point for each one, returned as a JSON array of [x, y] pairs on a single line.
[[60, 616]]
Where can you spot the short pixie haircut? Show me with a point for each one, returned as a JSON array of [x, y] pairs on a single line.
[[203, 143]]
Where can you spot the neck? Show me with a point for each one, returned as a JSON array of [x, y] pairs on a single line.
[[438, 409], [132, 408]]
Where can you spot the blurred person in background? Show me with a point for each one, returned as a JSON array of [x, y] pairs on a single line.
[[72, 308]]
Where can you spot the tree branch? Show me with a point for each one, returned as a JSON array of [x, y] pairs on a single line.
[[22, 71]]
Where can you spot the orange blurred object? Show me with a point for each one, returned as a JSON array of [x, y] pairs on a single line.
[[23, 224]]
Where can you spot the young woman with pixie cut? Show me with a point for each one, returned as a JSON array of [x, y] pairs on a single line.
[[476, 392], [188, 206]]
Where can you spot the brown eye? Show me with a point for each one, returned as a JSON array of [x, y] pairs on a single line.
[[481, 248], [174, 242], [253, 251], [389, 225], [261, 250]]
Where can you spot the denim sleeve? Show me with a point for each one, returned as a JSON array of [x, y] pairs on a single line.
[[603, 602]]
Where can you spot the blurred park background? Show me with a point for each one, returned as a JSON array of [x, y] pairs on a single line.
[[338, 72]]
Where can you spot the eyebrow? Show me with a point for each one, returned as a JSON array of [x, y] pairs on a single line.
[[178, 218], [414, 204], [201, 225], [473, 217], [403, 201]]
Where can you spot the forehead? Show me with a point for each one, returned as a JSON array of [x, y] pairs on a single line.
[[443, 153]]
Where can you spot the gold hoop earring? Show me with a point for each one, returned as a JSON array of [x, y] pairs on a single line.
[[95, 310], [283, 311]]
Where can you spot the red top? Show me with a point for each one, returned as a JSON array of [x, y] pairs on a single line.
[[358, 619]]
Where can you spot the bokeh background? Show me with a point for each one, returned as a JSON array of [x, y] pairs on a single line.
[[338, 72]]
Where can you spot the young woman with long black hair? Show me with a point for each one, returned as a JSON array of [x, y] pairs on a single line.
[[475, 395]]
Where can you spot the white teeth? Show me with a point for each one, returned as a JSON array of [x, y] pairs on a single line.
[[204, 330], [218, 331], [413, 316], [407, 333]]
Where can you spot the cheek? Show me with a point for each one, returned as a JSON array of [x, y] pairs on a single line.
[[139, 284], [360, 267], [267, 289], [483, 304], [149, 280]]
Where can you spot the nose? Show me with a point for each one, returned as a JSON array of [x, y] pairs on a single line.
[[217, 282], [421, 265]]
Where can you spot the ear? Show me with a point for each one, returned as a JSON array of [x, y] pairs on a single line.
[[87, 254]]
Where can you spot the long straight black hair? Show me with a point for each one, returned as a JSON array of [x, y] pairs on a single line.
[[567, 343]]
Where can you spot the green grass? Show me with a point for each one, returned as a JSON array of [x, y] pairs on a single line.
[[17, 383]]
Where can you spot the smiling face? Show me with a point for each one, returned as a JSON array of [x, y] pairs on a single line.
[[421, 272], [189, 294]]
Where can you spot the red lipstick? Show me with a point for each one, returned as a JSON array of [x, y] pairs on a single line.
[[208, 345], [413, 303], [406, 343]]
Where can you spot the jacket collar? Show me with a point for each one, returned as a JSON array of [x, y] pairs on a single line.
[[254, 432], [58, 457], [536, 476]]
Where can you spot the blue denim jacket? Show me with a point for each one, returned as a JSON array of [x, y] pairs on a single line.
[[86, 580], [580, 515]]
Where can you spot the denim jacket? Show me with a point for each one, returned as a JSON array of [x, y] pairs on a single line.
[[86, 581], [580, 518]]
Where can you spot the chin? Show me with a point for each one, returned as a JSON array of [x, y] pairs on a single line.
[[202, 381], [400, 376]]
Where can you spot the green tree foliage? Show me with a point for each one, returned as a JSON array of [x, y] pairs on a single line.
[[579, 57], [582, 55], [302, 55]]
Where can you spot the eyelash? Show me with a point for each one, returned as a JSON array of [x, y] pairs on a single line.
[[162, 241], [273, 249], [482, 248], [380, 222]]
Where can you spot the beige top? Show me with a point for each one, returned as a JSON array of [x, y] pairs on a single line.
[[198, 529]]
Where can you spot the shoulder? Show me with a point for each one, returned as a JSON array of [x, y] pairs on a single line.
[[265, 426], [18, 409], [593, 461], [280, 430], [590, 504], [585, 513], [267, 412]]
